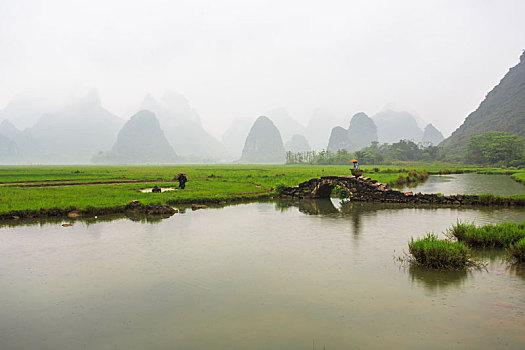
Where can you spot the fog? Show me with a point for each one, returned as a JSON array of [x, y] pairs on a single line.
[[238, 59]]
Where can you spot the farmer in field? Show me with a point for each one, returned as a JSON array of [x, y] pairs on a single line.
[[182, 180], [356, 164]]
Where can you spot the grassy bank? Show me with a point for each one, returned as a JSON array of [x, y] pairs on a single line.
[[108, 188], [90, 188]]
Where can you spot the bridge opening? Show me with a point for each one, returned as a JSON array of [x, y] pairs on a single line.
[[335, 190]]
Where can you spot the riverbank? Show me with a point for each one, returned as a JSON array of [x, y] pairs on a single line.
[[50, 191]]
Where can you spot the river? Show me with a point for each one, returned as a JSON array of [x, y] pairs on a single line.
[[275, 275]]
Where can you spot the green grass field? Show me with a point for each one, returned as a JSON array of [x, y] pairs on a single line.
[[30, 187]]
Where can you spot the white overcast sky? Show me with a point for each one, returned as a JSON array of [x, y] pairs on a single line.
[[240, 58]]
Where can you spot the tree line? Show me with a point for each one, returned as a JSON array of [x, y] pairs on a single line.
[[491, 148]]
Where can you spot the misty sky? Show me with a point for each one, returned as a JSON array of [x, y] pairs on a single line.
[[240, 58]]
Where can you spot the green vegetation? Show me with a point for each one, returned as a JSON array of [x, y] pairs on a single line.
[[403, 150], [496, 148], [92, 188], [516, 251], [454, 252], [503, 235], [440, 254]]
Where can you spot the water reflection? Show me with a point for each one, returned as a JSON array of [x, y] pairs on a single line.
[[517, 270], [437, 281], [147, 218], [490, 255], [318, 207], [87, 220], [452, 184]]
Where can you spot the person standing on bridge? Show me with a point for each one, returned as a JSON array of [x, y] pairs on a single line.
[[356, 171]]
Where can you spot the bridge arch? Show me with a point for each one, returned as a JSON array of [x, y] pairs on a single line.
[[325, 187]]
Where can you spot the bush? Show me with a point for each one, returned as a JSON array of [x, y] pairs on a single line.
[[516, 251], [280, 188], [440, 254]]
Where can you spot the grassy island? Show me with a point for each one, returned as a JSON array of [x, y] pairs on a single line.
[[503, 235], [440, 254]]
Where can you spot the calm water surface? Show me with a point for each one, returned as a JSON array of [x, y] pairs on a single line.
[[255, 276], [501, 185]]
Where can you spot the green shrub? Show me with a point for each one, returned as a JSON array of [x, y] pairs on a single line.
[[516, 251], [340, 192], [280, 188], [440, 254]]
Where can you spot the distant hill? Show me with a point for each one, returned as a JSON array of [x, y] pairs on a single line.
[[183, 128], [263, 143], [141, 141], [70, 135], [298, 143], [8, 130], [362, 131], [503, 109], [393, 126], [360, 134], [75, 132], [8, 150], [432, 136], [339, 139], [27, 148]]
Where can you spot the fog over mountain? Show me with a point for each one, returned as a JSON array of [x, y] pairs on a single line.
[[183, 128], [287, 125], [393, 126], [298, 143], [318, 62], [71, 135], [235, 136], [8, 150], [76, 132], [320, 127], [23, 110]]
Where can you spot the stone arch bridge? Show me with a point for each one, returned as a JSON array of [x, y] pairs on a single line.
[[365, 189]]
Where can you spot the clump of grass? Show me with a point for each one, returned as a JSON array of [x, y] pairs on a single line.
[[459, 230], [440, 254], [502, 235], [516, 251]]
